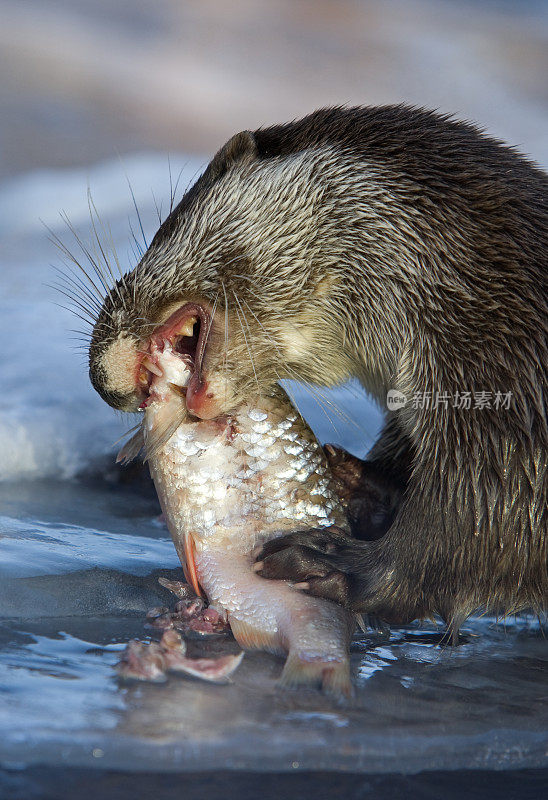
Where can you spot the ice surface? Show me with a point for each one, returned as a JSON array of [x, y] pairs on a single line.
[[63, 625], [81, 553]]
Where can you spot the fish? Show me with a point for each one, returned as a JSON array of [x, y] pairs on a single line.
[[228, 485]]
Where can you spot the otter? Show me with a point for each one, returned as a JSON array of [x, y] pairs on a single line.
[[406, 249]]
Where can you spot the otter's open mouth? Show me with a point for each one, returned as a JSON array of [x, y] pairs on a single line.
[[186, 331]]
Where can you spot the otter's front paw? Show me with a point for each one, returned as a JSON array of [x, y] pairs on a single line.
[[324, 562]]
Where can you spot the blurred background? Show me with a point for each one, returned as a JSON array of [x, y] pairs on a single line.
[[83, 80]]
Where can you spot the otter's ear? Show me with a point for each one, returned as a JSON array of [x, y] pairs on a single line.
[[241, 145]]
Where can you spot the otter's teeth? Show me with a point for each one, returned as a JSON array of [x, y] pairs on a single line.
[[143, 377], [187, 328], [180, 390], [152, 367]]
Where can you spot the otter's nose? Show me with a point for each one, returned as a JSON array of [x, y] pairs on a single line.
[[113, 371], [121, 402]]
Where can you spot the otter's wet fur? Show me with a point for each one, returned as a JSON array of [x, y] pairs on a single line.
[[406, 249]]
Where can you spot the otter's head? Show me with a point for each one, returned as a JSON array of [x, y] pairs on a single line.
[[241, 278]]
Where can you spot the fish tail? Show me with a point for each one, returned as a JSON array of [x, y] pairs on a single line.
[[336, 680], [332, 676]]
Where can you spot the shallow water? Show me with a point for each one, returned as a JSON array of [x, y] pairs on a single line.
[[72, 592]]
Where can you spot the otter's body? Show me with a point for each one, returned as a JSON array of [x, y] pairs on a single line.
[[405, 249]]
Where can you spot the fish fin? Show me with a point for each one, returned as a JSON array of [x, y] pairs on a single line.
[[132, 447], [333, 677], [336, 680], [180, 390], [189, 567], [162, 432], [361, 622], [251, 638], [181, 590]]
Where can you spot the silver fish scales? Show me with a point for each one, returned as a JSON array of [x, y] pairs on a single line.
[[228, 485]]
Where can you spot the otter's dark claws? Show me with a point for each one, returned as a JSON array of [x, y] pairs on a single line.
[[323, 540], [320, 562], [333, 586], [326, 563], [297, 563]]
